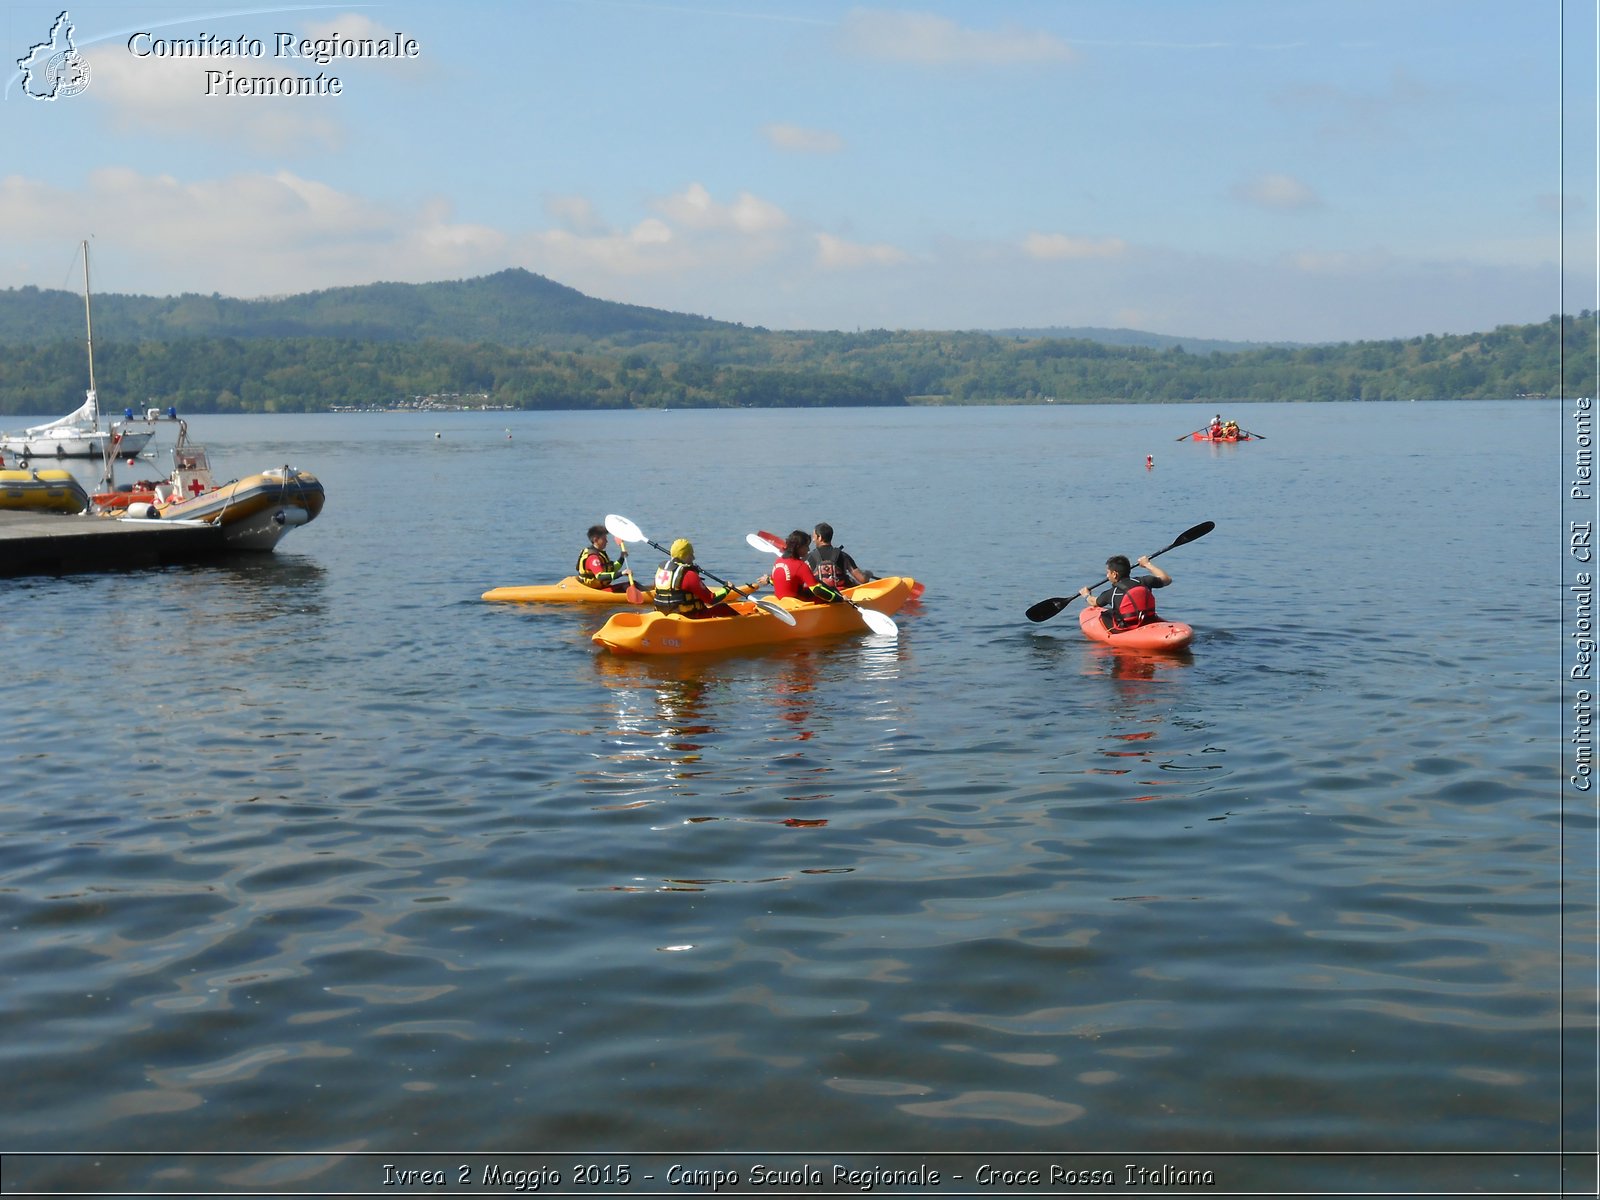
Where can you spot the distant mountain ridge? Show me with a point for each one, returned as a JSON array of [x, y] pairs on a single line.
[[510, 308], [513, 307]]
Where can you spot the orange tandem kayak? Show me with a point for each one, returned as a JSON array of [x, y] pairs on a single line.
[[669, 633]]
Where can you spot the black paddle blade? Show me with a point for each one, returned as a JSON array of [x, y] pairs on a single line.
[[1189, 535], [1046, 609]]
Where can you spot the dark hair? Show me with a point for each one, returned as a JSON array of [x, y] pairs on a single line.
[[825, 531], [1120, 564], [794, 546], [596, 531]]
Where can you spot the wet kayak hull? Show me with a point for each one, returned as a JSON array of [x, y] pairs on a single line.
[[1158, 636], [668, 633]]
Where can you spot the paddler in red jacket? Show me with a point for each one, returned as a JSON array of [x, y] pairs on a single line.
[[792, 575], [1128, 601]]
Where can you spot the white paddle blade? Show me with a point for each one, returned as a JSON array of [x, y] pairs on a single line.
[[761, 543], [776, 610], [879, 623], [623, 529]]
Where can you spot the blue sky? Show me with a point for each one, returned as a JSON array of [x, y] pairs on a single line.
[[1265, 170]]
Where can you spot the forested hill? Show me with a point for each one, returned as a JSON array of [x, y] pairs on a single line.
[[511, 308], [521, 340]]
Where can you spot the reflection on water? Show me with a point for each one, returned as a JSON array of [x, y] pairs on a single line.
[[1292, 887], [1131, 666], [671, 713], [247, 587], [663, 714]]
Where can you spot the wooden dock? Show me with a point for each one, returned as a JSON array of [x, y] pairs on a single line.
[[53, 544]]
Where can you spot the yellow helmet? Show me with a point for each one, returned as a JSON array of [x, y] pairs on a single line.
[[683, 550]]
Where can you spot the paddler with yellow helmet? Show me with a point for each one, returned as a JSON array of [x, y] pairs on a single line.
[[679, 588]]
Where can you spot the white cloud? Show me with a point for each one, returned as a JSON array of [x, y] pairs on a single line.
[[694, 208], [248, 234], [575, 213], [1059, 246], [355, 25], [800, 140], [650, 247], [692, 232], [167, 97], [834, 253], [1275, 191], [931, 40]]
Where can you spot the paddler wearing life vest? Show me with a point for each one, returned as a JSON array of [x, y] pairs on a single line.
[[596, 568], [792, 576], [832, 564], [679, 588], [1128, 601]]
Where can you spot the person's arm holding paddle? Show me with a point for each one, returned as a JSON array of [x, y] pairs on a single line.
[[1158, 577]]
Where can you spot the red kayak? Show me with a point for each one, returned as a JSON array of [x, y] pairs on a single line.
[[1205, 435], [1157, 635]]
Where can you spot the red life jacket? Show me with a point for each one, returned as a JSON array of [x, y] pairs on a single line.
[[1136, 606]]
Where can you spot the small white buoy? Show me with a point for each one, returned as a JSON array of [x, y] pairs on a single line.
[[436, 435]]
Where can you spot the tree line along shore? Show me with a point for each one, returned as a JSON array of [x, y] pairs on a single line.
[[524, 342]]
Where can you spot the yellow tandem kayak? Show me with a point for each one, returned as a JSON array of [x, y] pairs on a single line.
[[669, 633], [570, 590]]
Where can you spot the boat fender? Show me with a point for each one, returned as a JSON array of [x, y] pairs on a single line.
[[291, 516], [144, 511]]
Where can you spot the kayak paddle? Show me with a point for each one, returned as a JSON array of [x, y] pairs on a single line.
[[1255, 435], [880, 623], [635, 596], [1046, 609], [1187, 436], [625, 530]]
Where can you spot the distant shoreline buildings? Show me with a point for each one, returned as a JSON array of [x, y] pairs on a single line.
[[438, 402]]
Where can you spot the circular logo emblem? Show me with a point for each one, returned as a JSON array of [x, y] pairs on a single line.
[[67, 73]]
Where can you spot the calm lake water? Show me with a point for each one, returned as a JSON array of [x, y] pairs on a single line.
[[320, 864]]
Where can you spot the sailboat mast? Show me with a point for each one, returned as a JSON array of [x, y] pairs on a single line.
[[94, 396], [88, 324]]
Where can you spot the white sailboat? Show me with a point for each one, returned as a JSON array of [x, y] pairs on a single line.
[[78, 434]]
